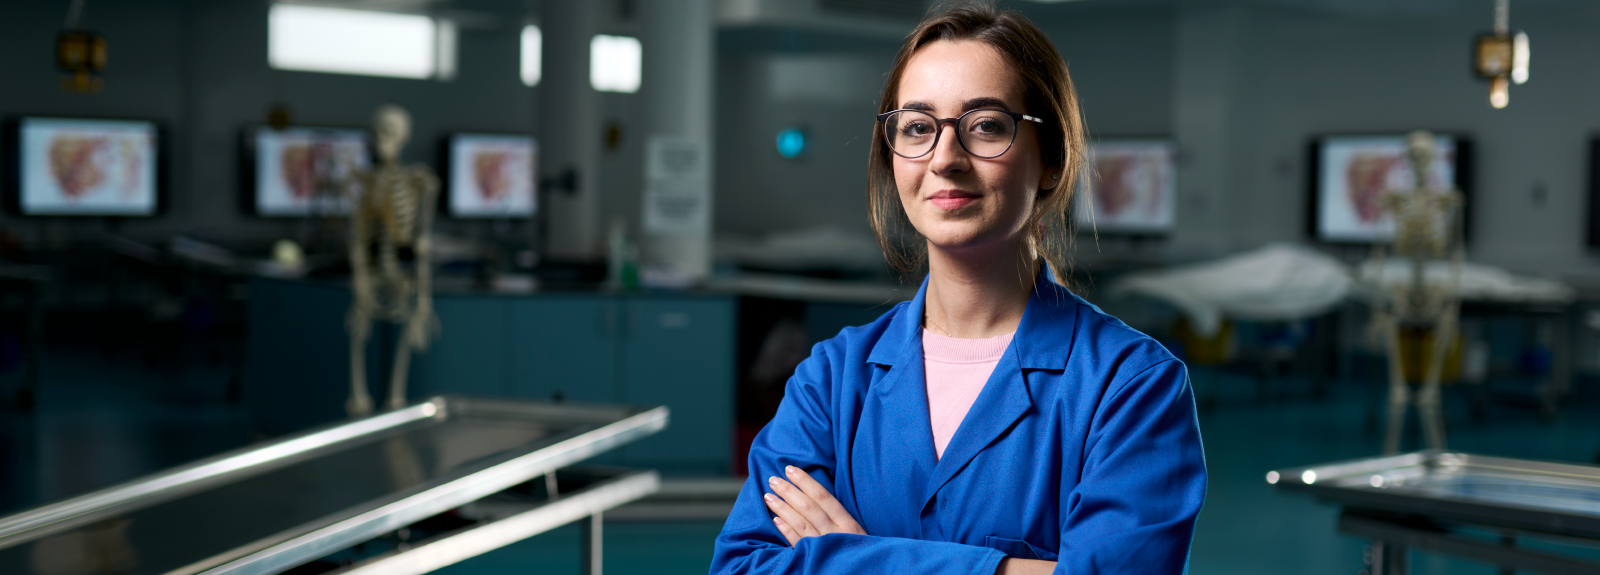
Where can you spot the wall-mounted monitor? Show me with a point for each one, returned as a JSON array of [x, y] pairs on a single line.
[[1350, 173], [302, 171], [1132, 187], [83, 167], [492, 175]]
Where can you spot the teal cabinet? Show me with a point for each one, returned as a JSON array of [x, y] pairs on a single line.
[[297, 356], [679, 352], [565, 346], [469, 354], [672, 349]]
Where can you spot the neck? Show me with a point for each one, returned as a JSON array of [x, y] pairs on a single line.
[[977, 293]]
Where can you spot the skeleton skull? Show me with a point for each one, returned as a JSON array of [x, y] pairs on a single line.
[[391, 127]]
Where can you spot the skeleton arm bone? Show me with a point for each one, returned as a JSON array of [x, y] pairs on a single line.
[[425, 323]]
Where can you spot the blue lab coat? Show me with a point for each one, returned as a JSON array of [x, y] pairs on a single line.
[[1082, 448]]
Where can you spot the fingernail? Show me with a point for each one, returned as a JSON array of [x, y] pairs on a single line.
[[769, 498], [773, 480], [791, 470]]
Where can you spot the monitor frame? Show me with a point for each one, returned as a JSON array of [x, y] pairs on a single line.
[[11, 165], [1592, 231], [1464, 172], [249, 168], [446, 171]]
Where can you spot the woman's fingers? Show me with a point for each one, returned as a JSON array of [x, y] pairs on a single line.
[[796, 522], [787, 531], [825, 501], [804, 505]]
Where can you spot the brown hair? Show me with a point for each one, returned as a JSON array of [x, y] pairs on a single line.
[[1048, 93]]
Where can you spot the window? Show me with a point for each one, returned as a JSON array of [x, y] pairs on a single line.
[[532, 46], [614, 63], [362, 42]]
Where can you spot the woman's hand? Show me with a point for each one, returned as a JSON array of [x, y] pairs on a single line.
[[805, 509]]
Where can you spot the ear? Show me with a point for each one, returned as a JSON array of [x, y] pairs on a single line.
[[1049, 179]]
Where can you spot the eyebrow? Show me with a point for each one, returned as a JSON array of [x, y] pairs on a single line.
[[967, 106]]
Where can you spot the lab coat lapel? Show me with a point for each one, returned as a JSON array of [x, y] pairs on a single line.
[[1002, 402], [903, 391], [1042, 341]]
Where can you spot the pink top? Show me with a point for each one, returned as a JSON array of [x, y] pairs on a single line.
[[956, 370]]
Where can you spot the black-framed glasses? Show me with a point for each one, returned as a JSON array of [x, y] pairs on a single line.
[[984, 133]]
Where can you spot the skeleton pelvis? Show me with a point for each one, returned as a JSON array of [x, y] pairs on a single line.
[[1416, 355]]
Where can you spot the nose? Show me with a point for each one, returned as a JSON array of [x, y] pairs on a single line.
[[949, 157]]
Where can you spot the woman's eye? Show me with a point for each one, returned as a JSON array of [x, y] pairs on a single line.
[[917, 129], [988, 126]]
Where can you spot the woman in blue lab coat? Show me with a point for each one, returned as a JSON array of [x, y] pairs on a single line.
[[1081, 451]]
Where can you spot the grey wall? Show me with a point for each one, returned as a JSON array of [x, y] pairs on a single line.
[[1242, 88], [1251, 85], [201, 69], [1300, 74], [1121, 61]]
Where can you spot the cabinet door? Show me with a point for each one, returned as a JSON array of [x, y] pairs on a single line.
[[679, 352], [566, 346], [471, 354], [297, 356]]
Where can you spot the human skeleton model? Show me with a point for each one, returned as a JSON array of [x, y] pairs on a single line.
[[1427, 227], [392, 210]]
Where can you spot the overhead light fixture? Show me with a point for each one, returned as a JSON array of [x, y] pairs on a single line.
[[1500, 57], [80, 54]]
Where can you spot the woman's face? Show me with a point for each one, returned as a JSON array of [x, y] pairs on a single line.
[[954, 199]]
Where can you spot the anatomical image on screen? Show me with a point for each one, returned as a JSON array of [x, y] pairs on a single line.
[[87, 167], [492, 176], [307, 171], [1132, 185], [1355, 172]]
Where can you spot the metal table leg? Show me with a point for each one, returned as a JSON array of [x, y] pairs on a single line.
[[1387, 558], [592, 544]]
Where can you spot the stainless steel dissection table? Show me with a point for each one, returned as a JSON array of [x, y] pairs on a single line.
[[407, 491], [1467, 505]]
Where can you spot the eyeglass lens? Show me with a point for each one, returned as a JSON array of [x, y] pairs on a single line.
[[983, 133]]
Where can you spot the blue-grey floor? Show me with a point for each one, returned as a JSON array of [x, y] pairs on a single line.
[[105, 418]]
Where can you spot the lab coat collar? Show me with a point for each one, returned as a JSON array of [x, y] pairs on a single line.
[[1043, 339]]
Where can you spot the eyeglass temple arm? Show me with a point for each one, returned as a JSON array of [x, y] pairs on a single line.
[[885, 115]]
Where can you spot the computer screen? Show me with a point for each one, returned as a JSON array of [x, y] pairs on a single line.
[[303, 171], [1132, 187], [81, 167], [493, 176], [1352, 173]]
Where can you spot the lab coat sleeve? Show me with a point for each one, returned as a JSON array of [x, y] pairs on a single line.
[[1143, 479], [802, 434]]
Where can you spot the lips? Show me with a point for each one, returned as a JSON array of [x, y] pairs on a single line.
[[952, 199]]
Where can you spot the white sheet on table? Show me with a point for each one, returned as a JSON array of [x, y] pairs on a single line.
[[1479, 282], [1279, 281]]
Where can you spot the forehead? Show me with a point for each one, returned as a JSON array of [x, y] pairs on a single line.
[[946, 73]]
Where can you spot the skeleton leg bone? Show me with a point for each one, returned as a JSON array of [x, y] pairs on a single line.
[[398, 374], [1428, 403], [1399, 394], [360, 402]]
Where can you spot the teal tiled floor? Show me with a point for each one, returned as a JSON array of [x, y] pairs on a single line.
[[103, 419]]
